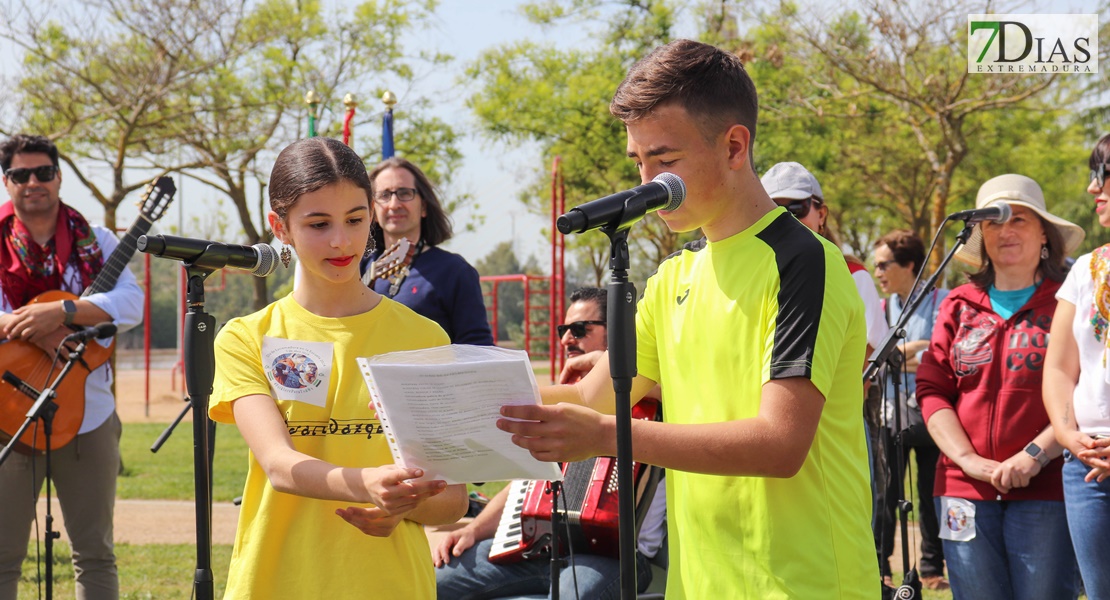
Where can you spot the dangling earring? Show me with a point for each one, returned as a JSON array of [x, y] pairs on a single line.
[[286, 256], [1044, 252]]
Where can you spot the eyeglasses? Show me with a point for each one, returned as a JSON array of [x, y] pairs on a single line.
[[43, 174], [404, 194], [800, 208], [1099, 175], [577, 328], [885, 264]]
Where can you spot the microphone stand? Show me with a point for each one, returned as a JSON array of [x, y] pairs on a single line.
[[44, 408], [200, 370], [557, 561], [621, 320], [888, 354]]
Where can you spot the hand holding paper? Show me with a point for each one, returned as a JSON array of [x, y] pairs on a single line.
[[439, 408]]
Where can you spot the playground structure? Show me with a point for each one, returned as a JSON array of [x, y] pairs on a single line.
[[544, 295]]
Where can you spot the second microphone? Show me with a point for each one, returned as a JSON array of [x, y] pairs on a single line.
[[259, 259]]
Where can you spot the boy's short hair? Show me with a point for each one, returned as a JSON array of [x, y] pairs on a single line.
[[709, 83]]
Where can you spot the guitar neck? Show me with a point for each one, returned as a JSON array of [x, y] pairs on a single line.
[[116, 263]]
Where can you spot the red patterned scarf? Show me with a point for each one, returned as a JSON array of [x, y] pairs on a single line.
[[28, 269]]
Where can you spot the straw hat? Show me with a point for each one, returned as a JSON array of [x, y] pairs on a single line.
[[1017, 190]]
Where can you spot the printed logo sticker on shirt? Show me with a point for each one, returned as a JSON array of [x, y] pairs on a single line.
[[957, 521], [297, 370]]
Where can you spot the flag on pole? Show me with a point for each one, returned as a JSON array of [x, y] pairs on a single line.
[[387, 134]]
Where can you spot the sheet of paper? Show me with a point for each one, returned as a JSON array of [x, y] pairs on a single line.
[[439, 409]]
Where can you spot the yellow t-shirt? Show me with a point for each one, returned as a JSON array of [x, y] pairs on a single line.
[[289, 546], [715, 324]]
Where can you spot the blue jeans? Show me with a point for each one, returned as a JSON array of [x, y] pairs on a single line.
[[1021, 551], [1088, 506], [473, 577]]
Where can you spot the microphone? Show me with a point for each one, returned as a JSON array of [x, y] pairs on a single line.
[[665, 192], [100, 331], [997, 212], [259, 259]]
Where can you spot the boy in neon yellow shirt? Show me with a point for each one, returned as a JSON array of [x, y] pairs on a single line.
[[756, 335]]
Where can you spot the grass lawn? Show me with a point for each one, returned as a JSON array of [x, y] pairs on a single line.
[[163, 572], [168, 473]]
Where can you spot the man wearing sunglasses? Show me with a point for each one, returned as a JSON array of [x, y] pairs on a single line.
[[462, 557], [45, 245]]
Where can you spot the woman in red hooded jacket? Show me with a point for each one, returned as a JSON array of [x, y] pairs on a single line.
[[998, 490]]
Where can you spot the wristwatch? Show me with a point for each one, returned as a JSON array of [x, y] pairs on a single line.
[[69, 307], [1038, 455]]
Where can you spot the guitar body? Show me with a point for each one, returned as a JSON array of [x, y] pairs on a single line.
[[29, 363]]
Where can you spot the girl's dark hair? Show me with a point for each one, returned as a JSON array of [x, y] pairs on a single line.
[[1050, 268], [310, 164], [1100, 155], [435, 227]]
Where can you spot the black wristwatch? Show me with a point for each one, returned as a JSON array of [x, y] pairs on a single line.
[[69, 307], [1039, 455]]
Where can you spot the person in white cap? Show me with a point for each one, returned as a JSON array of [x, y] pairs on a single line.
[[998, 487], [1076, 393], [792, 186]]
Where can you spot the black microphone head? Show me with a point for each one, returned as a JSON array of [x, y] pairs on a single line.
[[105, 330], [267, 260], [676, 189]]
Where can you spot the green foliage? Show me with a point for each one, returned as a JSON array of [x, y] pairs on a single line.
[[530, 92], [880, 107]]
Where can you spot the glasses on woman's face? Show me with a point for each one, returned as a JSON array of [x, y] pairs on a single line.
[[800, 208], [577, 328], [1099, 176], [43, 174], [404, 194], [885, 264]]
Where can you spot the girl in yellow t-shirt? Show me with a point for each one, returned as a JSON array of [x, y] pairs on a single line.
[[326, 513]]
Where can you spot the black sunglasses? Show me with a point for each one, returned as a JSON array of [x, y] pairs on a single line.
[[577, 328], [43, 174], [800, 208], [1099, 175]]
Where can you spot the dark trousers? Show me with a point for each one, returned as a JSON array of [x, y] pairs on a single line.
[[886, 504]]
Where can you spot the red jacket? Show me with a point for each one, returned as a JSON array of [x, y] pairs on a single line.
[[989, 371]]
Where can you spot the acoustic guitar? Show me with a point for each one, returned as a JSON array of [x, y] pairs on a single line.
[[29, 363], [392, 261]]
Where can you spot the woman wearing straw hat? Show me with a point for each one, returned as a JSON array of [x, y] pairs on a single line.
[[1077, 394], [998, 490]]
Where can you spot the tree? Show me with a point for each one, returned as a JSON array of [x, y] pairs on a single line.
[[887, 92], [95, 75], [244, 111], [560, 99]]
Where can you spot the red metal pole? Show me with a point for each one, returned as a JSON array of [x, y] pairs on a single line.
[[553, 287]]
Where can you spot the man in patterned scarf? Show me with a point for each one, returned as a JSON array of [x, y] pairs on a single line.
[[46, 245]]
